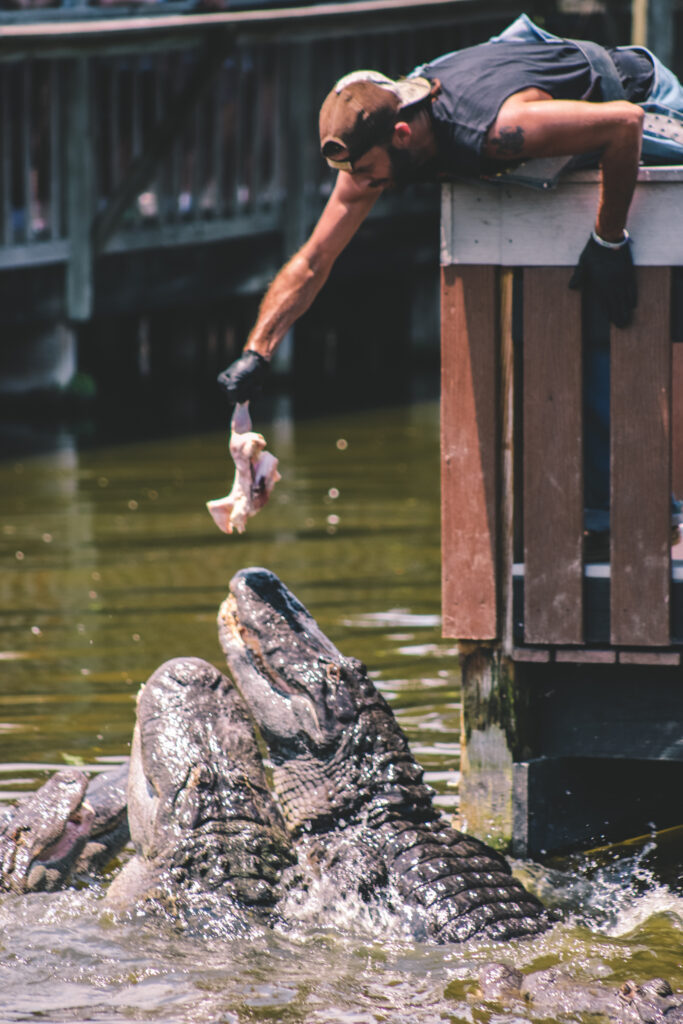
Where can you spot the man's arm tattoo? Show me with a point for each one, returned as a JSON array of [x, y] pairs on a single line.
[[509, 141]]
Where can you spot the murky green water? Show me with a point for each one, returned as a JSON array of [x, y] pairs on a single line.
[[110, 565]]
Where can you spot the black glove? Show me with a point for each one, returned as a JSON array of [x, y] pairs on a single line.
[[244, 378], [609, 274]]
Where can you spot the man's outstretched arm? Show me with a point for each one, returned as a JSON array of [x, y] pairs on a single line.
[[298, 282]]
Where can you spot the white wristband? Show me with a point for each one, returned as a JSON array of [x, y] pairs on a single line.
[[612, 245]]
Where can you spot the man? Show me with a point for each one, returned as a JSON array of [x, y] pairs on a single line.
[[475, 113]]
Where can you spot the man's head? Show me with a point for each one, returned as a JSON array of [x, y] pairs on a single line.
[[366, 109]]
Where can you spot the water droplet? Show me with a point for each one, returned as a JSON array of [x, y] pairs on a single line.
[[132, 505], [342, 444], [47, 538], [333, 492], [36, 630], [19, 555]]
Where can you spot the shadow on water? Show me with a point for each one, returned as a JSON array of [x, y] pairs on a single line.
[[110, 565]]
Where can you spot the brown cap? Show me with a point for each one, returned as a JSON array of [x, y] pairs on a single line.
[[360, 112]]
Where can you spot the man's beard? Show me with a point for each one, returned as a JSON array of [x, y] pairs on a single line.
[[406, 168]]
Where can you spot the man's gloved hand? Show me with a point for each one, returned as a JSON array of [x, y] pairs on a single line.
[[607, 271], [244, 378]]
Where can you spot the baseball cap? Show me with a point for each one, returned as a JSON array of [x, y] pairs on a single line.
[[360, 112]]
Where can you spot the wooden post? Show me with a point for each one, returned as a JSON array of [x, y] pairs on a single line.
[[80, 192], [469, 452]]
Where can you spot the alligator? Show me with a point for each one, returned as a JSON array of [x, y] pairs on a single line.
[[553, 992], [70, 827], [202, 819], [347, 782]]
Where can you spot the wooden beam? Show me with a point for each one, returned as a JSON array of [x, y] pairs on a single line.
[[469, 456], [553, 459], [294, 23], [640, 407], [80, 193]]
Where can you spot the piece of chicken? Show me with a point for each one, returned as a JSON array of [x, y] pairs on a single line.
[[255, 475]]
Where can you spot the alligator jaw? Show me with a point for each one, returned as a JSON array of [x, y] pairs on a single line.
[[41, 840], [278, 656]]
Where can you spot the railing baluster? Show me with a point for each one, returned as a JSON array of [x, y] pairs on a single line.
[[258, 136], [6, 152], [216, 175], [197, 161], [27, 127], [114, 154], [240, 175], [55, 190]]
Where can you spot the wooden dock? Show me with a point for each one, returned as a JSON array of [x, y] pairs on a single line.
[[572, 669]]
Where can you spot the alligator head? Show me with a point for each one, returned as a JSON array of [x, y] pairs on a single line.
[[42, 837], [333, 741], [107, 795], [200, 813]]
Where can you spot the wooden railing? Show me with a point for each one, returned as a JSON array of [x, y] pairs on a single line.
[[570, 657], [515, 566], [170, 129]]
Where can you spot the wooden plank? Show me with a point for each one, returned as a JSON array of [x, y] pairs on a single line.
[[535, 655], [586, 656], [218, 142], [56, 106], [27, 178], [521, 227], [641, 468], [649, 658], [553, 462], [469, 452], [6, 155], [677, 419], [34, 254], [507, 458], [293, 23]]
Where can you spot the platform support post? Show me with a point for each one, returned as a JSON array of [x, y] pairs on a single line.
[[492, 740]]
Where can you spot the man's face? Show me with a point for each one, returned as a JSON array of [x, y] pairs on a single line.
[[387, 167]]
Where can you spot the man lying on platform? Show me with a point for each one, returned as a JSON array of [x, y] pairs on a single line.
[[475, 113]]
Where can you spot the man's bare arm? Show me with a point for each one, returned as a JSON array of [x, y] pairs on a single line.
[[529, 126], [299, 281]]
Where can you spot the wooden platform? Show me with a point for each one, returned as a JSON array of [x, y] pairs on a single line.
[[553, 643]]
